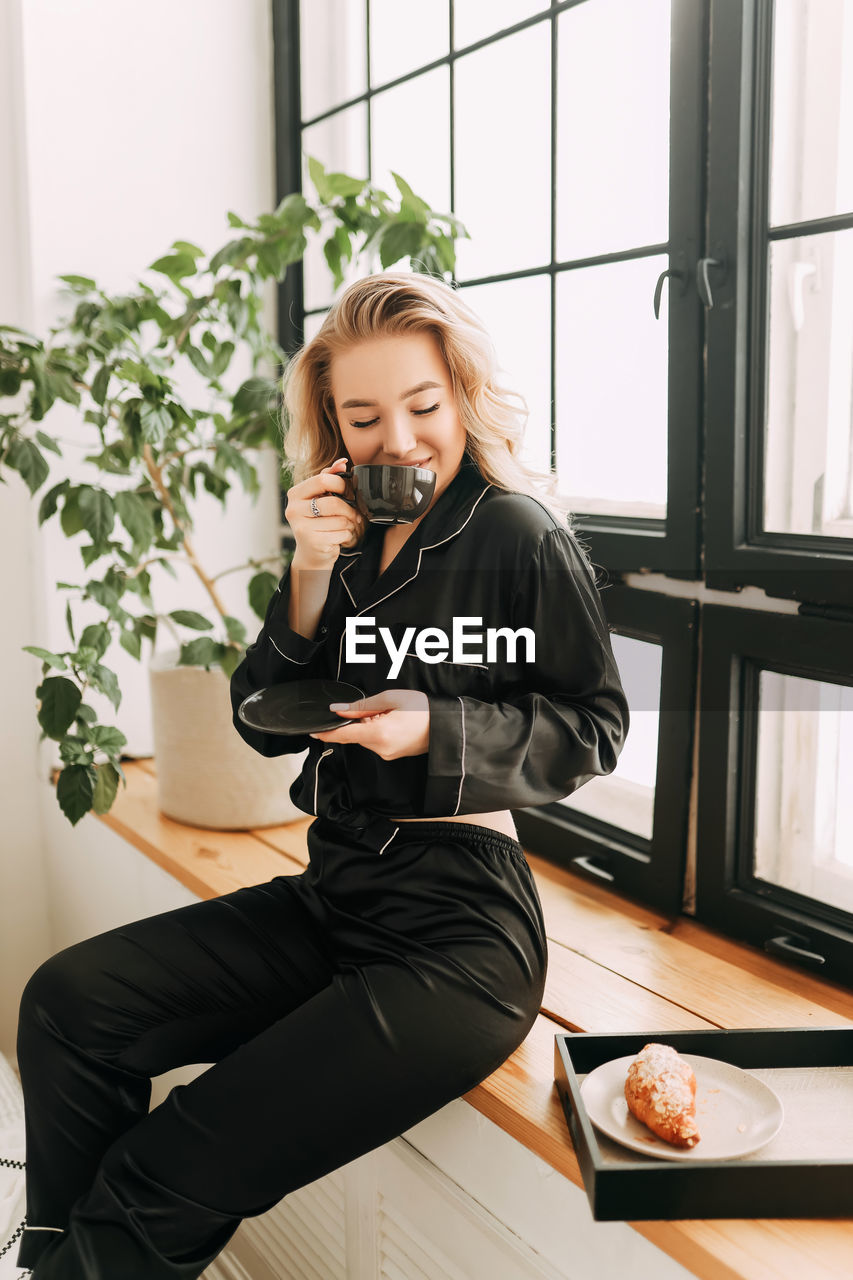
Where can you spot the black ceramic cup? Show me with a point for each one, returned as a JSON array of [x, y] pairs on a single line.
[[389, 495]]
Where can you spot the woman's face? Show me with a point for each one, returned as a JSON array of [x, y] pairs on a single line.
[[395, 405]]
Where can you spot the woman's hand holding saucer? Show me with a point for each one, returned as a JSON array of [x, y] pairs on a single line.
[[393, 723]]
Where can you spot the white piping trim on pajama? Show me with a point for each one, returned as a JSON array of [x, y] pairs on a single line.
[[301, 662], [59, 1229], [462, 779], [388, 841], [317, 775]]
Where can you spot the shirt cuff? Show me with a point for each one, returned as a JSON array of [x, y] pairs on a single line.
[[446, 756], [289, 643]]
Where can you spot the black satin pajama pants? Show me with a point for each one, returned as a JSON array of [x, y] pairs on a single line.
[[339, 1007]]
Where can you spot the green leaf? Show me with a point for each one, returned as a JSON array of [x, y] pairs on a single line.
[[131, 642], [70, 518], [317, 174], [156, 422], [344, 185], [175, 265], [97, 512], [106, 785], [185, 246], [231, 660], [235, 629], [75, 791], [135, 514], [256, 395], [86, 713], [96, 636], [100, 383], [188, 618], [203, 652], [399, 240], [235, 221], [53, 659], [195, 358], [69, 622], [107, 738], [222, 359], [49, 502], [107, 681], [47, 443], [10, 382], [60, 699], [261, 590], [231, 253], [79, 282], [24, 457]]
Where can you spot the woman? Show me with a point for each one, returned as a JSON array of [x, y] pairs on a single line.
[[402, 967]]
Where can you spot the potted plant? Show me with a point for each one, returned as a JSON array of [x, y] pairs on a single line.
[[116, 360]]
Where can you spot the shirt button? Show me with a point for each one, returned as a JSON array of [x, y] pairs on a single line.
[[323, 630]]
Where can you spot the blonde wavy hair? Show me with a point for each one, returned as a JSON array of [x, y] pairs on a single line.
[[399, 302]]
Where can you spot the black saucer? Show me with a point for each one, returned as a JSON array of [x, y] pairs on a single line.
[[299, 707]]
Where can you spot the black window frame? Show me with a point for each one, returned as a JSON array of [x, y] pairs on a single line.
[[736, 646], [652, 871], [811, 568], [719, 144]]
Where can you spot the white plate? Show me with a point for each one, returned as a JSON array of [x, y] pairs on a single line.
[[735, 1112]]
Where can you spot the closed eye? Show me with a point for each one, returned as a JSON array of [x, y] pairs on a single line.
[[420, 413]]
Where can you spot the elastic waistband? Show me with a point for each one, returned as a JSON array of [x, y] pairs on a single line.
[[472, 832]]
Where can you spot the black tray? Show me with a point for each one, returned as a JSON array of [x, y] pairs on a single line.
[[636, 1190]]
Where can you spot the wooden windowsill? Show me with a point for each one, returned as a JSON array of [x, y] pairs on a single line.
[[613, 966]]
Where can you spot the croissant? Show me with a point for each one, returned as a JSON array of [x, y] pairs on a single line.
[[660, 1090]]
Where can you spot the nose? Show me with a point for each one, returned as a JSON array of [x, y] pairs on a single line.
[[399, 439]]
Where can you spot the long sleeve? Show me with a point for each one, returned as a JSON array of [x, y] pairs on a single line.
[[279, 654], [565, 716]]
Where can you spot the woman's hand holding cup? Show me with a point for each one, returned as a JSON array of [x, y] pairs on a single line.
[[319, 538]]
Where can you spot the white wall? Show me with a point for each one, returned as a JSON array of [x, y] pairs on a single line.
[[125, 128]]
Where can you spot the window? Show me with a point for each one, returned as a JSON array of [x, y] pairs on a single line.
[[665, 193]]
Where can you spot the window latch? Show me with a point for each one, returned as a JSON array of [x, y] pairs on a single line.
[[785, 947], [677, 273], [703, 284]]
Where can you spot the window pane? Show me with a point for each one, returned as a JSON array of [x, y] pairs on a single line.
[[804, 802], [472, 20], [611, 380], [340, 143], [405, 35], [524, 351], [503, 154], [626, 797], [333, 53], [612, 127], [411, 135], [811, 172], [808, 457]]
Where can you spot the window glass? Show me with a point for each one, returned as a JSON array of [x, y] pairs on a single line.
[[333, 53], [612, 127], [524, 351], [405, 35], [473, 20], [808, 458], [611, 379], [410, 133], [626, 797], [804, 802], [340, 144], [503, 154], [811, 171]]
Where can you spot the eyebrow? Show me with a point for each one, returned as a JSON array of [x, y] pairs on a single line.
[[371, 404]]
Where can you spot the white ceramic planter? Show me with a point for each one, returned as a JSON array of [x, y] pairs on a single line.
[[207, 776]]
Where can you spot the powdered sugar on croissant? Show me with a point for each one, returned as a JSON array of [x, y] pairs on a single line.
[[660, 1090]]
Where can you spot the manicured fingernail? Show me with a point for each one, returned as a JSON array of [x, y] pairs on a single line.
[[339, 706]]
